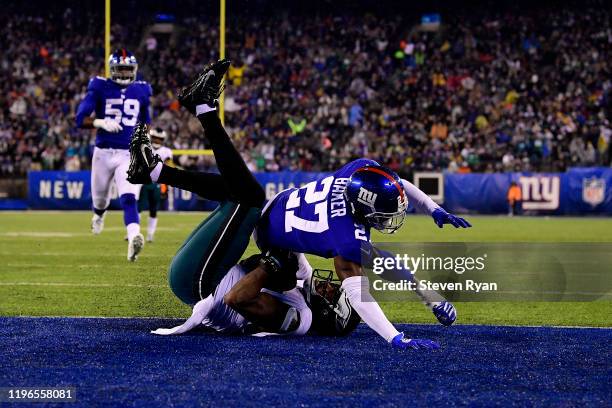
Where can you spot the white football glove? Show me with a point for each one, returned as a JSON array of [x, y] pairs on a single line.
[[107, 124]]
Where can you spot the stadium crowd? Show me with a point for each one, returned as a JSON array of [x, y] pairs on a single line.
[[487, 91]]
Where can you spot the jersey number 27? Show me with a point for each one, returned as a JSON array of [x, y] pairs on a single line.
[[315, 196]]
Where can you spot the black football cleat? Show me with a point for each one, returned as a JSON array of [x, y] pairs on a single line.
[[142, 158], [207, 88]]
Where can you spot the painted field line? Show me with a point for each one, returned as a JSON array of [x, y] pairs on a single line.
[[84, 212], [67, 266], [403, 323], [83, 285], [72, 254], [49, 234]]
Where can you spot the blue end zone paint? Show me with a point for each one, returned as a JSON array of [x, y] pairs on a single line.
[[117, 362]]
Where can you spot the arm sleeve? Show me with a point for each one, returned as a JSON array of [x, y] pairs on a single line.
[[419, 200], [86, 107], [361, 300], [200, 312]]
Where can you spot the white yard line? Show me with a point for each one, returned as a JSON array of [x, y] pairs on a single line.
[[67, 266], [183, 318], [73, 254], [84, 285]]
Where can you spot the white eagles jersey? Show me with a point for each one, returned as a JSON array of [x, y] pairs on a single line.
[[164, 152], [214, 313]]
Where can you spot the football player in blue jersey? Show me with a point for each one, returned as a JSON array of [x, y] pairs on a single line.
[[119, 103], [330, 217]]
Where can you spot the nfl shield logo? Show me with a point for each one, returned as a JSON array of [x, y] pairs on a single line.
[[593, 191]]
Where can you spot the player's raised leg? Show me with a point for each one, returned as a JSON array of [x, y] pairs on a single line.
[[220, 240]]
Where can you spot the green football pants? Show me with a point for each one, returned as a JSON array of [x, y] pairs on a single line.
[[212, 249]]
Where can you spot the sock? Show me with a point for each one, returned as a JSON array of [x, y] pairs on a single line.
[[201, 109], [240, 182], [133, 229], [130, 209], [156, 171], [99, 213], [358, 294], [152, 225]]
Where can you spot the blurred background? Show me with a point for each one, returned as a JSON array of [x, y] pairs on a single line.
[[483, 104]]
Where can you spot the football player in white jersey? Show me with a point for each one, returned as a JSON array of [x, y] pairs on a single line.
[[227, 310], [151, 194], [317, 304]]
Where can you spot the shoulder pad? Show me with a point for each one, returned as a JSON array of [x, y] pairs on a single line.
[[365, 162], [146, 87], [96, 83]]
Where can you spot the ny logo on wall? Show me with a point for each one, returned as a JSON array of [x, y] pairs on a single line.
[[540, 192]]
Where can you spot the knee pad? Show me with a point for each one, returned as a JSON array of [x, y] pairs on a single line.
[[100, 203]]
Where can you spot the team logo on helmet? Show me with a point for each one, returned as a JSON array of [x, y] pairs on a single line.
[[367, 197]]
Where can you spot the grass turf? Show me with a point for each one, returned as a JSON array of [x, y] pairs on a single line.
[[53, 266]]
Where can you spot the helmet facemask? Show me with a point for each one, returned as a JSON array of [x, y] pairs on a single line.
[[388, 223], [123, 74], [333, 314]]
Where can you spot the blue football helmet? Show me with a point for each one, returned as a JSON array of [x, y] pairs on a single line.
[[377, 198], [123, 67]]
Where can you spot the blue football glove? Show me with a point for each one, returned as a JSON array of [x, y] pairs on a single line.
[[403, 343], [441, 217], [445, 313]]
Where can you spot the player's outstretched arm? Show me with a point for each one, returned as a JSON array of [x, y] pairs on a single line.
[[200, 311], [425, 205], [358, 294]]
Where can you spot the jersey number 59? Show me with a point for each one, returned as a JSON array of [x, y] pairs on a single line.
[[122, 110]]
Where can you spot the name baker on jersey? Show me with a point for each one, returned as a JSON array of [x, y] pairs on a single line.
[[337, 201]]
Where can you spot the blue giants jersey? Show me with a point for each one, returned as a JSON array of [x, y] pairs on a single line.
[[316, 219], [126, 105]]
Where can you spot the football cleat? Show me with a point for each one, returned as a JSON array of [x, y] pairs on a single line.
[[207, 88], [135, 245], [149, 237], [402, 342], [445, 312], [142, 158], [97, 224]]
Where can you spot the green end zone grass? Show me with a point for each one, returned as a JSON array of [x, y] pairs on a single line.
[[53, 266]]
